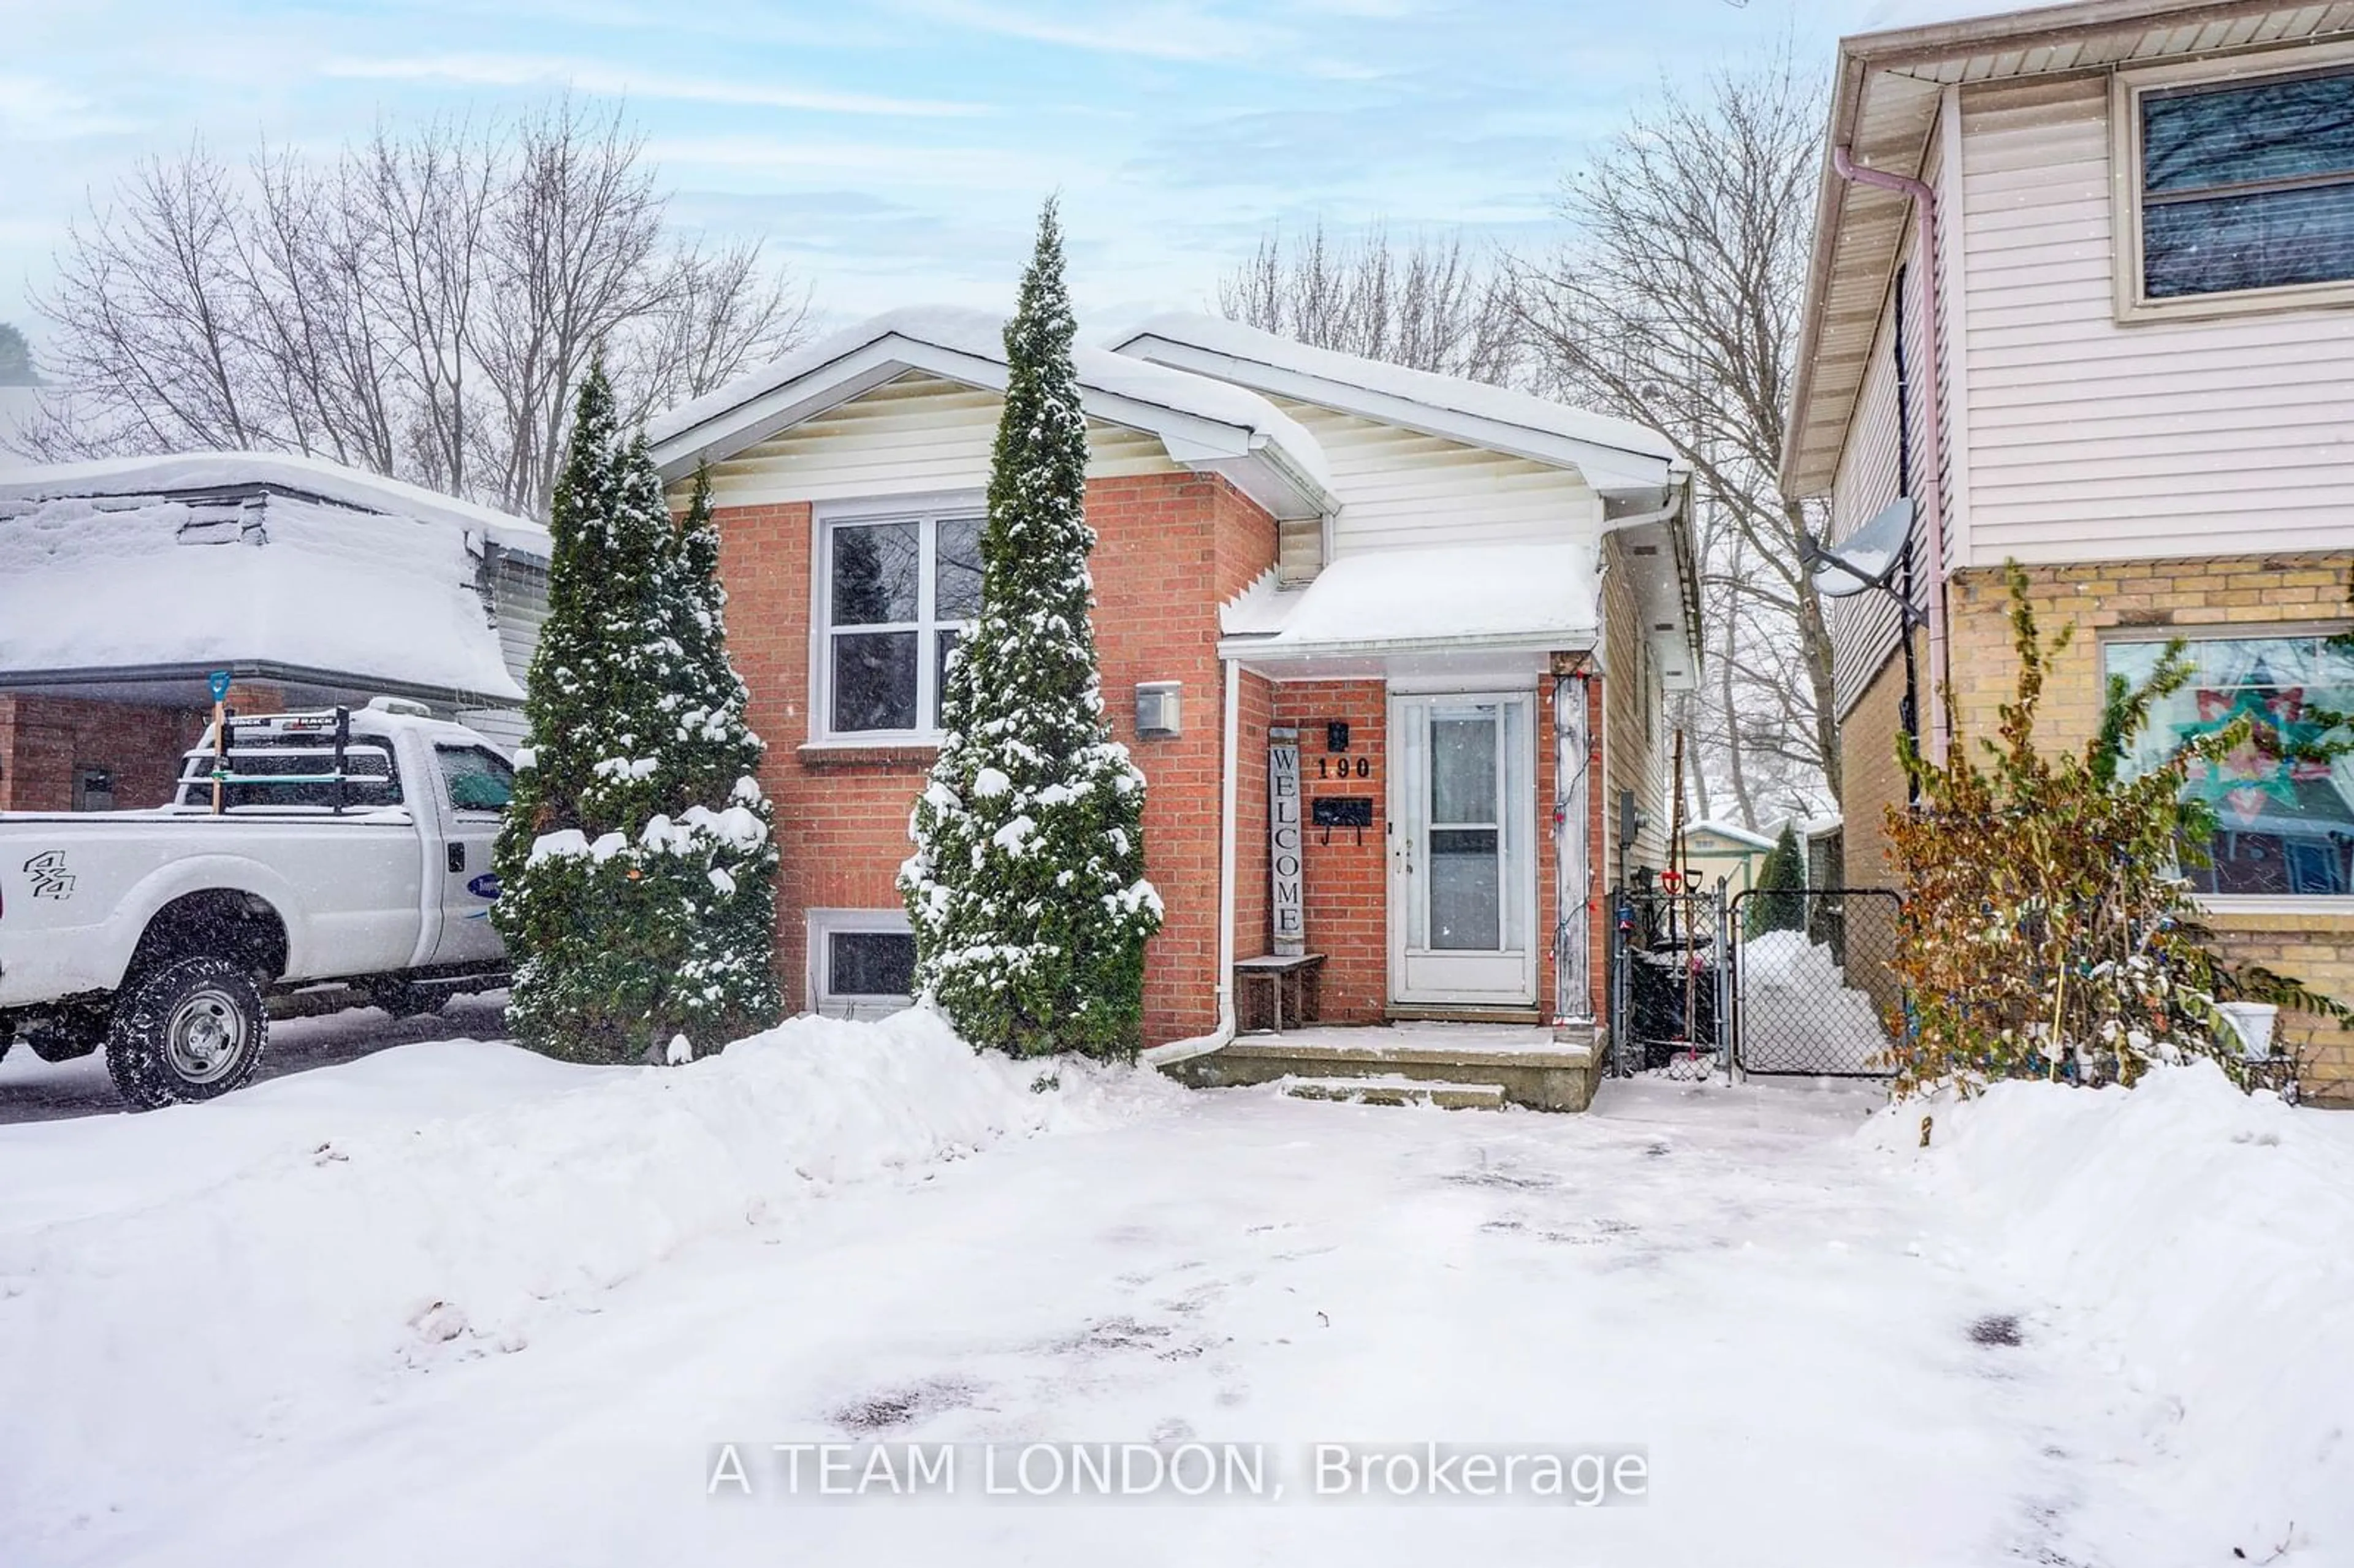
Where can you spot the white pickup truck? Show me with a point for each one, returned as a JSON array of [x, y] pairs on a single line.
[[349, 845]]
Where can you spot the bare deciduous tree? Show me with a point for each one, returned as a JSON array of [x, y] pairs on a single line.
[[1676, 303], [1427, 303], [423, 305]]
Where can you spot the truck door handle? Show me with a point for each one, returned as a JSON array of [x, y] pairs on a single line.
[[457, 857]]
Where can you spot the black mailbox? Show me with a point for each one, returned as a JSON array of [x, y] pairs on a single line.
[[1344, 811]]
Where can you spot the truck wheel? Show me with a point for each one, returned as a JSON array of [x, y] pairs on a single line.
[[189, 1030]]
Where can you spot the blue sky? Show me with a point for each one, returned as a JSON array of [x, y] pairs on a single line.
[[897, 152]]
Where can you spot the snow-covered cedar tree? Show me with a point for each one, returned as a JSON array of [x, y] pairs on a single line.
[[636, 864], [2048, 931], [1026, 889], [1777, 904]]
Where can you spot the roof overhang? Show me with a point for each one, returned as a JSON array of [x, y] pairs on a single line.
[[1444, 610], [1610, 469], [1886, 99], [1262, 453], [187, 686]]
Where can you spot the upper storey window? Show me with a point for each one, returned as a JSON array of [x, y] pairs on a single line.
[[2242, 190]]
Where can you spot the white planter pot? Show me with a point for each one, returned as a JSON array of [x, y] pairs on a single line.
[[2253, 1022]]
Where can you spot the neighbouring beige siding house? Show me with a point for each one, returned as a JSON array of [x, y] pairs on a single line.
[[2129, 228]]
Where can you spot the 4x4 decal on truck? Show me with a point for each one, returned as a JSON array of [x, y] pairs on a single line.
[[50, 877]]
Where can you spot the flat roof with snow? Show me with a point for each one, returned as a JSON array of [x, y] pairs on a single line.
[[144, 569]]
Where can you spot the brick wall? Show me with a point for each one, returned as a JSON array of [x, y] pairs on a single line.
[[1344, 884], [1870, 779], [1170, 547], [2194, 596], [43, 740]]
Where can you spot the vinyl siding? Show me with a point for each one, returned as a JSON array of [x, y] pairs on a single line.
[[1400, 489], [915, 435], [1634, 721], [1863, 627], [2090, 441]]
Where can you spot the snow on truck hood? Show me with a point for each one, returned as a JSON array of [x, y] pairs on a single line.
[[126, 580]]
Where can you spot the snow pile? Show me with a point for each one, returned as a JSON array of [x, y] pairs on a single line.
[[2199, 1245], [300, 1280], [1798, 1007]]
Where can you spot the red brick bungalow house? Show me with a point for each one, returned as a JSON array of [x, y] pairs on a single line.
[[1390, 647]]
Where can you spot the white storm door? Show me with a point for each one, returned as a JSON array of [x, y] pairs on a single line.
[[1463, 850]]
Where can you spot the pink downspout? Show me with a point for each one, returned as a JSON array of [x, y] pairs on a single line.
[[1933, 488]]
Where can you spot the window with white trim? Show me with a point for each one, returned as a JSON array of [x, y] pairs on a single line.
[[2284, 810], [899, 591], [2241, 186], [862, 962]]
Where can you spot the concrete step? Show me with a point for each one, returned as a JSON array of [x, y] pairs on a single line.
[[1394, 1089], [1530, 1067]]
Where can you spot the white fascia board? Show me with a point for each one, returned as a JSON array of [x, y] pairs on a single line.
[[1269, 650], [725, 432], [1608, 468], [1255, 464]]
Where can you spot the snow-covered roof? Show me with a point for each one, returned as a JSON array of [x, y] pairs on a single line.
[[1203, 423], [1464, 596], [183, 474], [1614, 454], [148, 582], [1734, 831]]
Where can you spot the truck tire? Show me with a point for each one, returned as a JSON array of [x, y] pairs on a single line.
[[191, 1029]]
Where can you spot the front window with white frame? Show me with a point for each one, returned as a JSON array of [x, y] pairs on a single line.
[[896, 591], [2284, 809], [2239, 190], [861, 962]]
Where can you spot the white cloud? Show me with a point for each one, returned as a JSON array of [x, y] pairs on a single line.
[[34, 109], [1163, 31], [596, 77]]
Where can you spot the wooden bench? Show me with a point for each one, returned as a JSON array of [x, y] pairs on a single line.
[[1295, 987]]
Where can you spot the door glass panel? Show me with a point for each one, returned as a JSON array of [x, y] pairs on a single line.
[[1463, 767], [1465, 876]]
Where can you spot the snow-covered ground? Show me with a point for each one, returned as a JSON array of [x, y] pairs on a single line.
[[452, 1303]]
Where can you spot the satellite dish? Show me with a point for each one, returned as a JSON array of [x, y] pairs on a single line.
[[1867, 557]]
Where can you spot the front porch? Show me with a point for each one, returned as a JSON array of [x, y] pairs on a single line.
[[1459, 1066]]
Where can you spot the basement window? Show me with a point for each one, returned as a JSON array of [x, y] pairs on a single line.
[[2241, 193], [2284, 815], [861, 962], [896, 594]]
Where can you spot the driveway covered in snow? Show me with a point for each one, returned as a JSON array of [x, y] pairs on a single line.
[[346, 1319]]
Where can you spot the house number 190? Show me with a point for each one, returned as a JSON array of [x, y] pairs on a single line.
[[1333, 768]]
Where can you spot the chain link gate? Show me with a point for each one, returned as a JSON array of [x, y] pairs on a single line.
[[1666, 984], [1811, 981]]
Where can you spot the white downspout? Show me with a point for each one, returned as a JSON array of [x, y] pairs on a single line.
[[1228, 794]]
